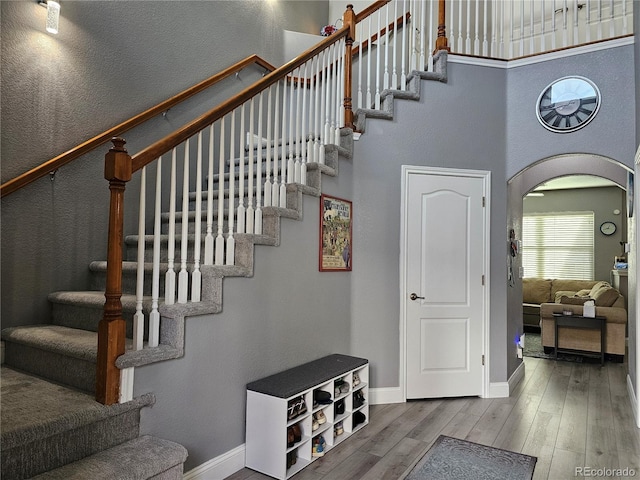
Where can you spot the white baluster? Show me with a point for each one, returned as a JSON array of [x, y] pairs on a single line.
[[170, 276], [576, 34], [303, 137], [485, 42], [543, 47], [511, 30], [625, 27], [267, 178], [335, 93], [221, 161], [209, 240], [405, 30], [318, 147], [327, 108], [553, 26], [565, 37], [126, 385], [522, 28], [282, 192], [292, 124], [385, 77], [476, 43], [368, 101], [431, 36], [588, 25], [241, 211], [258, 213], [612, 23], [423, 32], [377, 71], [298, 127], [275, 188], [138, 317], [249, 224], [196, 275], [394, 75], [231, 242], [502, 27], [467, 45], [599, 20], [531, 28], [495, 8], [311, 115], [460, 40], [154, 316], [452, 39], [183, 276]]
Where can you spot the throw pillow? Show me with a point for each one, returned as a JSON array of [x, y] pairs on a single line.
[[583, 293], [563, 293], [536, 290], [573, 300], [605, 297]]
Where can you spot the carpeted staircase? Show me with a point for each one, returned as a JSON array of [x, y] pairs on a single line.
[[52, 428]]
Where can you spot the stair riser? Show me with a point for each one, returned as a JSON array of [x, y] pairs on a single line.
[[129, 281], [55, 451], [86, 318], [73, 372]]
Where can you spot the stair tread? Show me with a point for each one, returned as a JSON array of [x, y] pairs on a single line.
[[33, 408], [142, 457], [81, 344]]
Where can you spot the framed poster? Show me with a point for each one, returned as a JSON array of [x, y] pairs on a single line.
[[336, 221], [630, 194]]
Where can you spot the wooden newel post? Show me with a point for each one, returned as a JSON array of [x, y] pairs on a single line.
[[349, 18], [111, 329], [441, 40]]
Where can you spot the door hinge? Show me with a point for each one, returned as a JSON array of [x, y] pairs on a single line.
[[484, 201], [482, 280], [482, 359]]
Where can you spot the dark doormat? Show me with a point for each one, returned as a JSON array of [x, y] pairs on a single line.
[[533, 348], [453, 459]]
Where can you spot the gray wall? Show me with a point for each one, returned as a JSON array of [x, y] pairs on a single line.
[[428, 132], [602, 201]]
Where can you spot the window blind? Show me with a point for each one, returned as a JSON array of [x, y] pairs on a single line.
[[558, 245]]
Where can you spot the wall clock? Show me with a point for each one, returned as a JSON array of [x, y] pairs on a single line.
[[568, 104], [608, 228]]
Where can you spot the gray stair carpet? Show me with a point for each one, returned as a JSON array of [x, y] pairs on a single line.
[[46, 426]]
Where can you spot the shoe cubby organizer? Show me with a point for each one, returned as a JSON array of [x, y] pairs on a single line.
[[297, 416]]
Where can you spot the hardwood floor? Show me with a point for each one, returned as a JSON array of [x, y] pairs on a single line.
[[567, 414]]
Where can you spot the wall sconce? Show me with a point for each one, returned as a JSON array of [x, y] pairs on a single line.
[[53, 15]]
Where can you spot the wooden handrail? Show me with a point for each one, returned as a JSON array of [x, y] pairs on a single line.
[[66, 157], [370, 10], [152, 152], [400, 22]]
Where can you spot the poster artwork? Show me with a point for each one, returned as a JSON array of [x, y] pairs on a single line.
[[335, 234]]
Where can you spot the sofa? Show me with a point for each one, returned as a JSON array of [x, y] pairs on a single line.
[[557, 296]]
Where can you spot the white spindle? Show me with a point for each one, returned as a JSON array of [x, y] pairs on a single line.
[[522, 28], [494, 27], [292, 121], [588, 26], [221, 161], [625, 28], [385, 77], [511, 21], [576, 11], [599, 19], [138, 317], [553, 26], [154, 316], [467, 48], [208, 239], [368, 101], [460, 40], [431, 23], [565, 36], [311, 87], [282, 200], [268, 178], [377, 71], [327, 96], [394, 75], [241, 210], [258, 213], [423, 31], [612, 22], [531, 28], [126, 385], [476, 43], [413, 60], [183, 276], [543, 20], [452, 39], [298, 127], [405, 30], [485, 42], [170, 276], [231, 242], [502, 27], [318, 147], [303, 136], [196, 275], [275, 187], [249, 224], [335, 93]]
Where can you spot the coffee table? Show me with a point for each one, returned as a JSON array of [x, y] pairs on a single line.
[[578, 321]]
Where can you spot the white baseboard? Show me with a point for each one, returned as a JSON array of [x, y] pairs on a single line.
[[516, 377], [498, 390], [382, 396], [220, 467], [634, 401]]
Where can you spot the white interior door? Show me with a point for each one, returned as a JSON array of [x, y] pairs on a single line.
[[445, 251]]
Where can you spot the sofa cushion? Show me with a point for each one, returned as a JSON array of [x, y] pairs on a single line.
[[583, 293], [571, 300], [563, 293], [536, 290], [570, 285], [605, 296]]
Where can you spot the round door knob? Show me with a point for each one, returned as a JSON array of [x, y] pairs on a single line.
[[413, 296]]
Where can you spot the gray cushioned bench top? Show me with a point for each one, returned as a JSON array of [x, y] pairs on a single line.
[[298, 379]]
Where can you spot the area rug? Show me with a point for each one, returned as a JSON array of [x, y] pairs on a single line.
[[533, 348], [453, 459]]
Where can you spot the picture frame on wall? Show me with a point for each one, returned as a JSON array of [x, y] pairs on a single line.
[[336, 234], [630, 193]]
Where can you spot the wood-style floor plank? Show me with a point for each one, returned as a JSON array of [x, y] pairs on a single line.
[[568, 415]]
